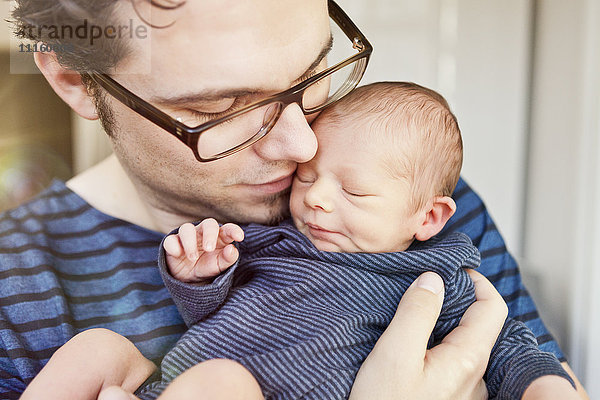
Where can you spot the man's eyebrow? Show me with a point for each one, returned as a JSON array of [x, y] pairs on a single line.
[[203, 96], [212, 95], [324, 52]]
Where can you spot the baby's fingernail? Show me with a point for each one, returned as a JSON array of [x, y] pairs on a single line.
[[430, 281]]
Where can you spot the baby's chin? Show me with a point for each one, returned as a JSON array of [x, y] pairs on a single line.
[[327, 246], [330, 245]]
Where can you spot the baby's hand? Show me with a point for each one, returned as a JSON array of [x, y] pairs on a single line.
[[201, 252]]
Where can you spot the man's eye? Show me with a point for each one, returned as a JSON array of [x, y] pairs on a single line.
[[207, 114], [215, 106]]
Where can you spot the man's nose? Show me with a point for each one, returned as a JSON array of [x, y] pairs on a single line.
[[316, 197], [291, 139]]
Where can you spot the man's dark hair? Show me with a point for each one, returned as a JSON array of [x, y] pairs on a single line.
[[30, 16], [36, 19]]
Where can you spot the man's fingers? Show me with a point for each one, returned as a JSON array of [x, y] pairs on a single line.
[[482, 322], [415, 318], [115, 393], [480, 391]]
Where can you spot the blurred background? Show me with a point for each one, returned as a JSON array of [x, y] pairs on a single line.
[[523, 78]]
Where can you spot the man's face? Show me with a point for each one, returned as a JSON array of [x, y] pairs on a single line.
[[345, 198], [214, 49]]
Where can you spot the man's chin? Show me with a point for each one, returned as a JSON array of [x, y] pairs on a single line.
[[277, 212], [278, 207], [270, 211]]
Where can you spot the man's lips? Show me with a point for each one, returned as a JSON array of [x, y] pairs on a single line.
[[275, 186]]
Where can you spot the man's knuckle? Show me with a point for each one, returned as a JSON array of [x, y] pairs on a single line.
[[472, 363]]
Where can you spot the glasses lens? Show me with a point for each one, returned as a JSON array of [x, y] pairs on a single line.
[[333, 87], [238, 132]]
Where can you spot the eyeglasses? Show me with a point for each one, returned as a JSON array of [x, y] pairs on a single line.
[[236, 130]]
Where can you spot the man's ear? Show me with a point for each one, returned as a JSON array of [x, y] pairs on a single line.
[[67, 84], [442, 209]]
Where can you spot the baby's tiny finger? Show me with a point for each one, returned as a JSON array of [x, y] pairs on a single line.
[[172, 246], [189, 241], [231, 232], [227, 257], [210, 233]]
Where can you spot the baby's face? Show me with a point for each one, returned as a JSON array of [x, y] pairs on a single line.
[[345, 200]]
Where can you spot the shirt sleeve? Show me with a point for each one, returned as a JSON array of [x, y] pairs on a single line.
[[12, 384], [195, 301], [515, 361], [473, 219]]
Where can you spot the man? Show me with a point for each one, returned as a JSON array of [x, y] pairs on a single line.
[[83, 255]]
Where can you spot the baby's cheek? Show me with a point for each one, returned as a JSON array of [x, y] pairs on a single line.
[[366, 234], [296, 202], [352, 231]]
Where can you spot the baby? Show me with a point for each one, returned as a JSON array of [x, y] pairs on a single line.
[[292, 311]]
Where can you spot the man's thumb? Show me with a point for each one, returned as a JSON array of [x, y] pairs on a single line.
[[415, 318]]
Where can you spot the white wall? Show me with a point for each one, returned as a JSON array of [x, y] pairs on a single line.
[[562, 222], [555, 134], [584, 310]]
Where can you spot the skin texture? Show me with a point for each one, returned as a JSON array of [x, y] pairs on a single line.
[[344, 198], [199, 253], [172, 185], [154, 181]]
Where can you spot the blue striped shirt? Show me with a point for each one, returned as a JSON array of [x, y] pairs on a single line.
[[66, 267], [302, 321]]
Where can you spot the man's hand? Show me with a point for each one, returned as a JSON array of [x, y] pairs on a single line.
[[400, 365], [201, 252]]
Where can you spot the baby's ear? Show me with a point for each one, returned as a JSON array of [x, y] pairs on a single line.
[[442, 208]]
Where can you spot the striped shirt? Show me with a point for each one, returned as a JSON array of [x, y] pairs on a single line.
[[66, 267], [302, 321]]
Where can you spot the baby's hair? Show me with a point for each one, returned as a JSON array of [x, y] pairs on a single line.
[[419, 135]]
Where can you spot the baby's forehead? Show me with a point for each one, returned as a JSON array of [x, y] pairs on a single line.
[[366, 131]]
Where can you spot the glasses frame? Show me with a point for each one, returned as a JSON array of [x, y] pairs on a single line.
[[190, 135]]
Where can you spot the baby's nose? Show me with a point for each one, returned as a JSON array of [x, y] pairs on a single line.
[[318, 199]]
